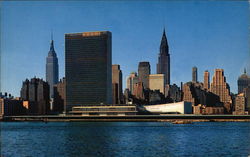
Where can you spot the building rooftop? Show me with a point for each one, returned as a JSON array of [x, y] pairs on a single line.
[[88, 34]]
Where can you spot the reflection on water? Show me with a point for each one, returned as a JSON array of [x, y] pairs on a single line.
[[124, 139]]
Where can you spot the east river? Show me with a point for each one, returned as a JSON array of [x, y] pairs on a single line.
[[124, 139]]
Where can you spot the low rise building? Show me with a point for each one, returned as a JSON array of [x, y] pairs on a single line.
[[11, 107], [177, 108], [208, 110], [240, 102], [104, 110]]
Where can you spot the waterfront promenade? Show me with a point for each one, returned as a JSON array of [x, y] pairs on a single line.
[[132, 118]]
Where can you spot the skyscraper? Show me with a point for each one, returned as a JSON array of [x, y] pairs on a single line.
[[144, 72], [194, 74], [163, 66], [88, 68], [157, 82], [206, 80], [131, 81], [220, 87], [117, 84], [52, 68], [36, 91], [24, 93], [243, 82]]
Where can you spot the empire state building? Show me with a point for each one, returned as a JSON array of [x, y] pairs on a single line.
[[163, 66], [52, 68]]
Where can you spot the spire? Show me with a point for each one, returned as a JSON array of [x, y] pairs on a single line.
[[52, 43], [245, 71], [164, 32], [164, 38], [164, 44], [52, 46], [52, 50]]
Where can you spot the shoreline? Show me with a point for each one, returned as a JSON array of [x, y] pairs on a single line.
[[135, 118]]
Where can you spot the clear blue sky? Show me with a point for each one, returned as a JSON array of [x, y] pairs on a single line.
[[206, 34]]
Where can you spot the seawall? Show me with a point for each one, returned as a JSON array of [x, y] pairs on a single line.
[[132, 118]]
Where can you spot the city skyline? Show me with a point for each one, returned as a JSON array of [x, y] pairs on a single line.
[[187, 49]]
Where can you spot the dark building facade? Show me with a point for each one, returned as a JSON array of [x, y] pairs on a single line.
[[194, 74], [143, 73], [156, 97], [117, 84], [173, 93], [38, 96], [246, 92], [59, 97], [88, 68], [11, 107], [163, 66], [52, 68], [25, 90], [243, 82], [194, 93], [33, 83]]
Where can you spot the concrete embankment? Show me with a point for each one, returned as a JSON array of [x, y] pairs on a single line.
[[135, 118]]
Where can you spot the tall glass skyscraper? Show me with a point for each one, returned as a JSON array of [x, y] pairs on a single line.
[[52, 68], [88, 68]]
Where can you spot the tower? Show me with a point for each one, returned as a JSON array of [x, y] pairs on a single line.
[[243, 82], [131, 81], [163, 66], [206, 80], [88, 68], [194, 74], [144, 72], [116, 84], [220, 87], [36, 92], [52, 68]]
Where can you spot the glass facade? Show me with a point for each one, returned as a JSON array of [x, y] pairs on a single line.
[[88, 68]]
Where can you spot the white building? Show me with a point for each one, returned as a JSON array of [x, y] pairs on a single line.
[[178, 107]]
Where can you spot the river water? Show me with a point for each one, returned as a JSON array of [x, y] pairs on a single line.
[[73, 139]]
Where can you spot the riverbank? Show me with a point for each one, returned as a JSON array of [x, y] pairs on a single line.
[[134, 118]]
